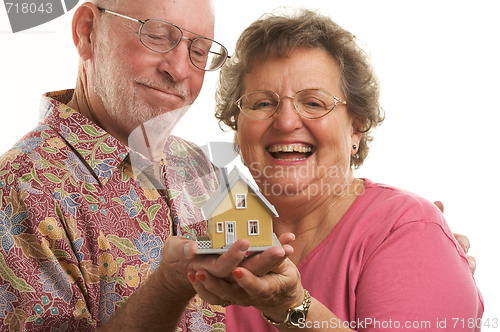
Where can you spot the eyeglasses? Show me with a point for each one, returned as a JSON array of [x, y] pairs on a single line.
[[309, 103], [162, 37]]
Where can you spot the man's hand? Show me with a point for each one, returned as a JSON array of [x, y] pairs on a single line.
[[462, 240], [465, 244], [179, 258]]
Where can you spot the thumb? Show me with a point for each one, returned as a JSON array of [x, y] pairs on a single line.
[[440, 205], [179, 248]]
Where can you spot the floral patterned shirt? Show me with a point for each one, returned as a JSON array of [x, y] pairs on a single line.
[[81, 227]]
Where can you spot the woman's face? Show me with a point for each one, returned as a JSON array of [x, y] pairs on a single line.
[[318, 154]]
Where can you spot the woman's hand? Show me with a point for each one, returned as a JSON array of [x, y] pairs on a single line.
[[268, 281], [273, 293]]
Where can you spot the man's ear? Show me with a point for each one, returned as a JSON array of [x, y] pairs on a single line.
[[83, 26]]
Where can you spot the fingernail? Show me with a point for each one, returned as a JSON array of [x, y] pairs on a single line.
[[201, 277], [192, 278], [279, 256], [237, 274], [187, 249], [245, 247]]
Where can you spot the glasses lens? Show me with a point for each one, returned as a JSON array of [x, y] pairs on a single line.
[[159, 36], [314, 103], [207, 54], [259, 104]]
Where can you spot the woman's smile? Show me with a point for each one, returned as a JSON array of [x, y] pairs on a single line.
[[290, 152]]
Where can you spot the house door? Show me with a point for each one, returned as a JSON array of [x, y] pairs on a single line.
[[230, 232]]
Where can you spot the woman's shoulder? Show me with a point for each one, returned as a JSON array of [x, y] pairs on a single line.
[[397, 205]]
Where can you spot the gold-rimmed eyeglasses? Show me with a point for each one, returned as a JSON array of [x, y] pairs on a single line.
[[309, 103], [162, 37]]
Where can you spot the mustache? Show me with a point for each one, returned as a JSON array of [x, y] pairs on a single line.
[[165, 84]]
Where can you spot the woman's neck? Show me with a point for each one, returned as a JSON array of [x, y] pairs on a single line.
[[313, 219]]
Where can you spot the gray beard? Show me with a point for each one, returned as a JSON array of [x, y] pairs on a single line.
[[122, 105]]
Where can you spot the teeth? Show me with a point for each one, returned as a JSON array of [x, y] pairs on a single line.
[[291, 159], [289, 148]]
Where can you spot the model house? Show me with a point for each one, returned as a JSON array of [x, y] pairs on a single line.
[[235, 211]]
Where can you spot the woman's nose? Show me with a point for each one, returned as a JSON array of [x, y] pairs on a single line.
[[286, 118]]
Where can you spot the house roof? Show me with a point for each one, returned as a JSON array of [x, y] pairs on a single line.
[[223, 190]]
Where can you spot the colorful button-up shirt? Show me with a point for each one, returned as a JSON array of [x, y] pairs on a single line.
[[81, 228]]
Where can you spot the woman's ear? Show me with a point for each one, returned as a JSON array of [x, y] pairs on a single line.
[[236, 138], [83, 25], [358, 126]]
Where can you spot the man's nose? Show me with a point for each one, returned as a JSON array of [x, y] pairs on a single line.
[[176, 62]]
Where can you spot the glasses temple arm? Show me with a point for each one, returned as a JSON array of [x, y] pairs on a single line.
[[124, 16]]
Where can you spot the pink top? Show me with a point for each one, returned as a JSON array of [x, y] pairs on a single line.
[[391, 263]]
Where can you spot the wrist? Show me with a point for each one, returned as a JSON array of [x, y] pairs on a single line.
[[295, 316], [177, 286]]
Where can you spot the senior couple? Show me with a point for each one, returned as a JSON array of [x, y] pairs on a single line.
[[92, 242]]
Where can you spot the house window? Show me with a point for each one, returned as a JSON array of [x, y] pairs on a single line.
[[241, 201], [220, 227], [253, 227]]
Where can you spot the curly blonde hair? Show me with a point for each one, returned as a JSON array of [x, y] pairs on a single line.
[[278, 35]]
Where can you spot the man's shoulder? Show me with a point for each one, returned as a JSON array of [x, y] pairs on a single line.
[[178, 150], [179, 147], [41, 141]]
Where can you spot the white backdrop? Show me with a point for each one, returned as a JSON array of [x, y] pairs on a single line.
[[438, 62]]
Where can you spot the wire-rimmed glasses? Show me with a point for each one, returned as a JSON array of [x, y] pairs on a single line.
[[309, 103], [162, 37]]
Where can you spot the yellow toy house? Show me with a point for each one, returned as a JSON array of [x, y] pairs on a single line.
[[237, 210]]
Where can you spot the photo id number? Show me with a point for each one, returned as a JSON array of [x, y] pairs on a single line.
[[475, 323], [25, 8]]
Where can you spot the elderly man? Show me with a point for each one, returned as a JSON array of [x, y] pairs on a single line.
[[85, 234]]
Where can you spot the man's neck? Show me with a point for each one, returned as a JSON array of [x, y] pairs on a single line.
[[80, 101], [83, 104]]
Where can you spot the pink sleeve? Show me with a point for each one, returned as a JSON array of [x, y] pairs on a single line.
[[415, 279]]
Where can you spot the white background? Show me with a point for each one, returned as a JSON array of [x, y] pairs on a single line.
[[439, 67]]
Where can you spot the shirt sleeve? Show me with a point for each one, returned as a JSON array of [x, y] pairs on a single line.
[[418, 279]]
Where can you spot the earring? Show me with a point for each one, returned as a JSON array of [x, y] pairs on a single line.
[[354, 147]]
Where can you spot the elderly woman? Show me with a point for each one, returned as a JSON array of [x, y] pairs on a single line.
[[302, 99]]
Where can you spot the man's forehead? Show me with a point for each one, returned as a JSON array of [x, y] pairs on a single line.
[[194, 15]]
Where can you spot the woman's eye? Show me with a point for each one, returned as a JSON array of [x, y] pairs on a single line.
[[312, 104], [264, 104]]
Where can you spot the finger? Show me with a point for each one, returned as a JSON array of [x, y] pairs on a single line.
[[251, 283], [206, 295], [221, 266], [178, 253], [262, 263], [286, 238], [273, 291], [472, 263], [216, 290], [440, 205], [276, 281], [463, 241], [177, 248]]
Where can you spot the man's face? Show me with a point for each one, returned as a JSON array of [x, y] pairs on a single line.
[[136, 84]]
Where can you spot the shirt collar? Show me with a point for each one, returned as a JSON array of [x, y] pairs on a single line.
[[101, 151]]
